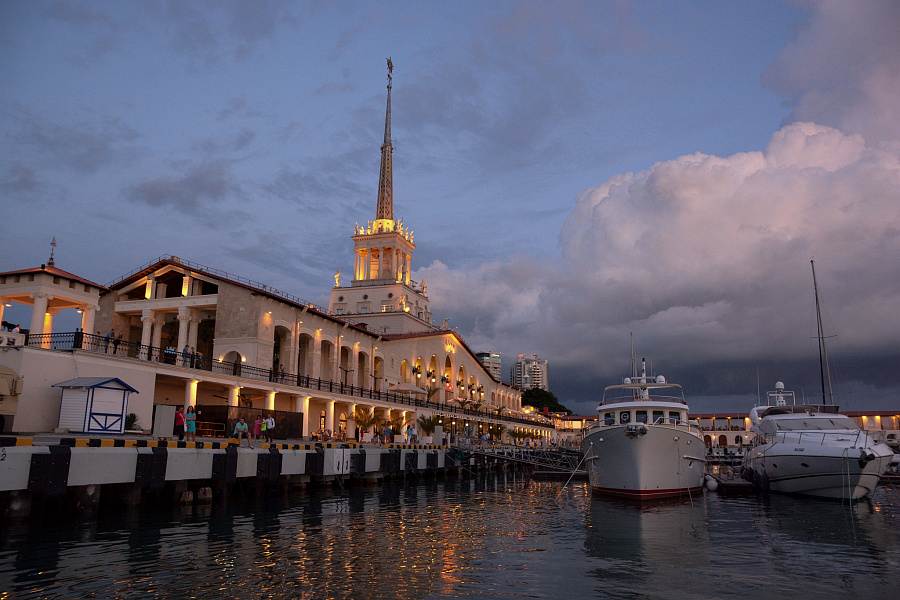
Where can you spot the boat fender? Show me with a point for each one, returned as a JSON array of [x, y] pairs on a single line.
[[747, 474], [764, 481], [711, 483]]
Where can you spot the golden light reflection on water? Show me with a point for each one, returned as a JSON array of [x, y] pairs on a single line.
[[492, 537]]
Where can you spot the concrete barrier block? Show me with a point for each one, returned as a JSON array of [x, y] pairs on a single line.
[[246, 466], [15, 465], [189, 463], [293, 462], [102, 465]]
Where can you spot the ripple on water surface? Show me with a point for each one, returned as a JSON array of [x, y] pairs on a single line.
[[499, 536]]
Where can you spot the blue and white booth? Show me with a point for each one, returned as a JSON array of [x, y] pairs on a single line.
[[94, 404]]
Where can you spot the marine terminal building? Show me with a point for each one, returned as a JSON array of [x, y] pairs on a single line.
[[180, 333]]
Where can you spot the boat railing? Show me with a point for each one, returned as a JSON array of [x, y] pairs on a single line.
[[814, 437]]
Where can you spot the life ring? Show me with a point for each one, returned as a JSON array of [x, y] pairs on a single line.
[[624, 417]]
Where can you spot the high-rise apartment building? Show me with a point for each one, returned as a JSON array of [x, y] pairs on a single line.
[[491, 362], [529, 373]]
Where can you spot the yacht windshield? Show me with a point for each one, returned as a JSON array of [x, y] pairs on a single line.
[[816, 423]]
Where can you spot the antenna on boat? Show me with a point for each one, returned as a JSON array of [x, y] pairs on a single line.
[[758, 391], [633, 357], [824, 372]]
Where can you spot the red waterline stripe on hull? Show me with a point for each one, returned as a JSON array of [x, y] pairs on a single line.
[[645, 494]]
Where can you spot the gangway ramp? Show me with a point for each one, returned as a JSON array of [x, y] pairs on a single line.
[[547, 460]]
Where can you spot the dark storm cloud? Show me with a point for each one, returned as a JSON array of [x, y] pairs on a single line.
[[327, 181], [84, 146], [213, 31], [19, 178], [237, 107], [187, 192]]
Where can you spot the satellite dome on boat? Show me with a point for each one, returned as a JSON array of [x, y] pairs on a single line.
[[779, 386], [660, 379], [627, 381]]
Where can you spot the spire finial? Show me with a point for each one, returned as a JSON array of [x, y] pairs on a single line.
[[50, 262], [385, 208]]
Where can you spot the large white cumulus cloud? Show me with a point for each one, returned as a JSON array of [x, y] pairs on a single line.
[[705, 259]]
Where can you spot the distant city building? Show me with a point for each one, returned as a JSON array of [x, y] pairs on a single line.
[[528, 373], [491, 362]]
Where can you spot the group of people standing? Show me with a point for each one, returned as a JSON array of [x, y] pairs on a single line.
[[262, 430]]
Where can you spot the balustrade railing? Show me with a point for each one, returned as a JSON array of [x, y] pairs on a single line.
[[99, 344]]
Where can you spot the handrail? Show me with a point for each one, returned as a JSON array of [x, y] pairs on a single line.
[[98, 344]]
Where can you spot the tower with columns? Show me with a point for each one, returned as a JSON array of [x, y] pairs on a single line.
[[381, 293]]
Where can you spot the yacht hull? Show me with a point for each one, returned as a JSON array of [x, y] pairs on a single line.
[[644, 461], [828, 472]]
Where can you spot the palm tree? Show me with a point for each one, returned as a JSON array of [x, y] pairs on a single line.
[[427, 424], [461, 401], [396, 422], [500, 410], [431, 391], [365, 419]]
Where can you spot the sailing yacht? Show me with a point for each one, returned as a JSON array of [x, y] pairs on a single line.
[[812, 449]]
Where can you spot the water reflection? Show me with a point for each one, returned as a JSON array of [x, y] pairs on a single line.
[[501, 536]]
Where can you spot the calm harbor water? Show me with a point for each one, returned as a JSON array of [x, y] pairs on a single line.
[[497, 536]]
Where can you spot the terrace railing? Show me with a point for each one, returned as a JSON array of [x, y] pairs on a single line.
[[79, 340]]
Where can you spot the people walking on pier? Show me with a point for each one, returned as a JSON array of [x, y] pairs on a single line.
[[270, 426], [240, 431], [258, 427], [179, 423], [190, 418]]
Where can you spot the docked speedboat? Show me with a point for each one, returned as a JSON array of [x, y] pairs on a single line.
[[643, 445], [812, 450]]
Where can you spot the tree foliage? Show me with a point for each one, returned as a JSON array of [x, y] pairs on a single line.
[[539, 398]]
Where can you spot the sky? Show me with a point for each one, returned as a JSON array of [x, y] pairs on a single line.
[[577, 175]]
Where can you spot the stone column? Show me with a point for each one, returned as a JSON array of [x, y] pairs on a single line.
[[184, 322], [234, 395], [156, 338], [38, 312], [147, 319], [87, 318], [270, 401], [408, 265], [351, 421], [329, 415], [304, 408], [316, 348], [48, 319], [190, 393], [192, 331], [3, 308]]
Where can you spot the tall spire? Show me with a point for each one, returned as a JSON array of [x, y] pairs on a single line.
[[385, 209]]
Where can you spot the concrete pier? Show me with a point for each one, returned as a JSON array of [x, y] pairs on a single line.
[[79, 471]]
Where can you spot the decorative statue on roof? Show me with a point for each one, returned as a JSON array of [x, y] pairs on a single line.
[[337, 279]]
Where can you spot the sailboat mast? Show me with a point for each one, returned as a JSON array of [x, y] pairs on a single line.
[[824, 372]]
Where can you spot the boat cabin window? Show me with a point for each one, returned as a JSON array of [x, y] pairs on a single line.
[[625, 416], [640, 416], [674, 416], [609, 418], [830, 423], [659, 416]]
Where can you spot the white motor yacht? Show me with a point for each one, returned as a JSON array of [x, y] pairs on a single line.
[[643, 445], [812, 450]]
